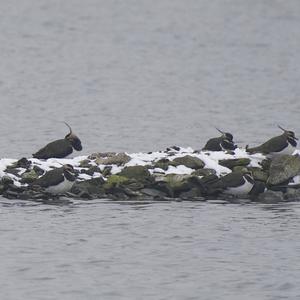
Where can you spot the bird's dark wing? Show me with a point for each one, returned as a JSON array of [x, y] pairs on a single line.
[[275, 144], [228, 145], [233, 179], [57, 149], [51, 178], [213, 144]]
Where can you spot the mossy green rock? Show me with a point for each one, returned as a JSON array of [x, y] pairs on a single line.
[[283, 168], [29, 177], [189, 161], [241, 169], [173, 184], [204, 172], [139, 173], [115, 180], [92, 186], [162, 164], [259, 174], [231, 163]]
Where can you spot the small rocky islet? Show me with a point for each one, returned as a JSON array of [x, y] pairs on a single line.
[[267, 173], [176, 173]]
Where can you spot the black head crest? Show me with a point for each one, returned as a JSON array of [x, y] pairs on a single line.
[[227, 135], [290, 134], [74, 140]]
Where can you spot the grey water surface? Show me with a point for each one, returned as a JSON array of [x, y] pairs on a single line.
[[141, 75]]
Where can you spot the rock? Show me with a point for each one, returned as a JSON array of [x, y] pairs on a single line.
[[6, 180], [283, 168], [90, 171], [115, 180], [259, 174], [92, 186], [292, 194], [29, 177], [265, 164], [173, 184], [97, 155], [204, 172], [241, 169], [135, 185], [271, 197], [189, 161], [106, 171], [153, 193], [231, 163], [163, 164], [86, 163], [23, 163], [119, 159], [12, 170], [39, 171], [191, 194], [139, 173]]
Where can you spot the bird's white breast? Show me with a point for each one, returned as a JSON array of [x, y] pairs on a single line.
[[289, 150], [61, 188], [240, 190]]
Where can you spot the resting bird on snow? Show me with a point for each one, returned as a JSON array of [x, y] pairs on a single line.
[[285, 143], [57, 181], [224, 142], [60, 148]]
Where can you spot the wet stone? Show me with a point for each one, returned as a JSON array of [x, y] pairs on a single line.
[[115, 159], [204, 172], [231, 163], [23, 163], [189, 161], [271, 197], [140, 173], [29, 177], [39, 171], [283, 168]]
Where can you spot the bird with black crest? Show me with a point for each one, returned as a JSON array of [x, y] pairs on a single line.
[[285, 143], [60, 148], [58, 180], [224, 142]]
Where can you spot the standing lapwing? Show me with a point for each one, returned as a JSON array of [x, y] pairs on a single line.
[[60, 148], [57, 181], [234, 183], [224, 142], [285, 143]]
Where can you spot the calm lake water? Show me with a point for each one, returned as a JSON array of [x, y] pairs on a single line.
[[138, 76]]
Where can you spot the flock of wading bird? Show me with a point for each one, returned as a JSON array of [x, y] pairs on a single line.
[[61, 179]]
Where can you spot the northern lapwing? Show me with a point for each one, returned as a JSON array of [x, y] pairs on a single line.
[[234, 183], [224, 142], [285, 143], [57, 181], [60, 148]]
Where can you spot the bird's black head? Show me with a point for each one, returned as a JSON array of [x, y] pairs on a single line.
[[73, 139], [226, 135], [228, 145], [290, 135], [69, 172]]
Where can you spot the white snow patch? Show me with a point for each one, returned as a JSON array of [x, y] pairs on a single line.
[[180, 170]]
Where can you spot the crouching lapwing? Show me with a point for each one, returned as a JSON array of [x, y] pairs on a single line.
[[285, 143], [224, 142], [235, 183], [57, 181], [60, 148]]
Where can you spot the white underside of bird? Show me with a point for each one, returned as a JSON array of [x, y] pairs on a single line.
[[289, 150], [240, 190], [63, 187]]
